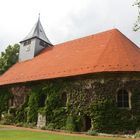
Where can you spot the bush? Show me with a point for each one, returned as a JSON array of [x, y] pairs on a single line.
[[92, 132], [20, 124], [32, 125], [105, 116], [21, 113], [137, 134], [27, 125], [50, 126], [43, 128], [70, 125], [32, 111], [8, 119]]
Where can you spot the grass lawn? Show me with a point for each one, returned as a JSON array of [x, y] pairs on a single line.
[[29, 135]]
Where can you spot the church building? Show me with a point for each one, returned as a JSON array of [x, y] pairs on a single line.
[[90, 83]]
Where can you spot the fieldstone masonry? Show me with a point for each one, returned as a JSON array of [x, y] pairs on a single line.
[[41, 122]]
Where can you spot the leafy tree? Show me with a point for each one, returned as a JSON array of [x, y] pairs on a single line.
[[137, 23], [9, 57]]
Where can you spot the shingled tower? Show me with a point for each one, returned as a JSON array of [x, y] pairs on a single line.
[[34, 42]]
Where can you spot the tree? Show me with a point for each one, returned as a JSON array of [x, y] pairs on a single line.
[[137, 23], [9, 57]]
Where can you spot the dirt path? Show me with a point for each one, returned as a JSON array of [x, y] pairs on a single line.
[[9, 127]]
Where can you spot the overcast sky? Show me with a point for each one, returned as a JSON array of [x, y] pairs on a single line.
[[64, 20]]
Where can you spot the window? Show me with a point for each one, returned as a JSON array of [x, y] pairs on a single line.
[[43, 44], [123, 99], [27, 42]]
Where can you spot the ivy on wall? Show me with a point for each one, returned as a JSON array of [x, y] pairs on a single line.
[[98, 101], [4, 99], [67, 104]]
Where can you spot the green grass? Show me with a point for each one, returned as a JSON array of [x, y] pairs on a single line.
[[29, 135]]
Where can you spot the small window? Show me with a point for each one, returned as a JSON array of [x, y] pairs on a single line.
[[27, 42], [43, 44], [123, 98]]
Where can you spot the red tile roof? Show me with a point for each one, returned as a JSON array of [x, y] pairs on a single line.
[[108, 51]]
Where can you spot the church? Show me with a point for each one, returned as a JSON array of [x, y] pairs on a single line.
[[88, 83]]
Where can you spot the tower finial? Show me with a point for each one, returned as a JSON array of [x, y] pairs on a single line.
[[39, 16]]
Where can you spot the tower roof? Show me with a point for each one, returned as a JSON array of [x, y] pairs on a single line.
[[37, 32], [108, 51]]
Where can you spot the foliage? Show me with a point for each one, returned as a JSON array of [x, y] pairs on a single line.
[[20, 124], [104, 115], [70, 124], [92, 132], [42, 111], [21, 113], [107, 117], [137, 23], [33, 104], [8, 119], [54, 106], [50, 126], [8, 57], [45, 98], [137, 134], [4, 98], [97, 101]]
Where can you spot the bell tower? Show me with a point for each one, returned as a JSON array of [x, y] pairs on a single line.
[[34, 42]]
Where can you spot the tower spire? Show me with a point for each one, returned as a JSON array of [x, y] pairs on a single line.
[[37, 32], [34, 42]]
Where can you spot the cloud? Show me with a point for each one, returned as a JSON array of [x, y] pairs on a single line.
[[64, 20]]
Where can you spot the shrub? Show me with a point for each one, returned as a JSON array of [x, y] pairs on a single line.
[[50, 126], [8, 119], [92, 132], [21, 113], [20, 124], [43, 128], [32, 111], [70, 125]]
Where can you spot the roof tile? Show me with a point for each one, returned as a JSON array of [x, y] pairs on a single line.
[[108, 51]]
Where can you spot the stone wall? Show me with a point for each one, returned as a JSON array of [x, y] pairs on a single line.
[[41, 122], [19, 94], [89, 100], [96, 99]]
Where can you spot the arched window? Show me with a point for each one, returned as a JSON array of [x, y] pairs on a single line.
[[123, 98]]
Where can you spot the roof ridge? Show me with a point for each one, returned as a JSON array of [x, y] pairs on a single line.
[[90, 35], [105, 46], [125, 50], [128, 39]]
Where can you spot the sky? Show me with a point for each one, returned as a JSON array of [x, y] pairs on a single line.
[[65, 20]]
